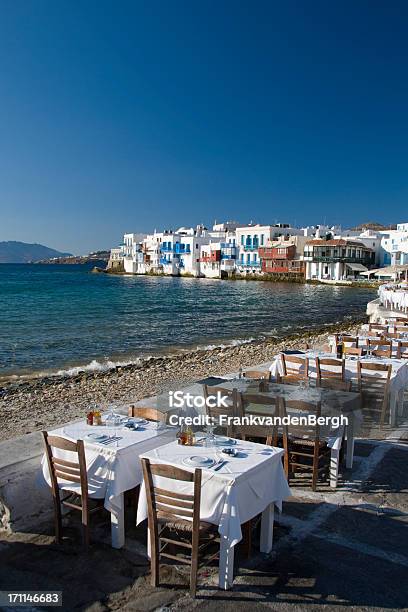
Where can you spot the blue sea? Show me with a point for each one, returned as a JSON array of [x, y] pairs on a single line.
[[63, 318]]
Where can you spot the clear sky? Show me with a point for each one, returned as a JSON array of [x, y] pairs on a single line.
[[130, 116]]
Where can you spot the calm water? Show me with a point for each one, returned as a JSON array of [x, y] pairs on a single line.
[[59, 317]]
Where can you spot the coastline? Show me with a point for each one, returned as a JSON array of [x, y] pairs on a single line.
[[47, 402]]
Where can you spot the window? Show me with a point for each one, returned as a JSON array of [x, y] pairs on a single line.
[[242, 239], [255, 257], [262, 239], [248, 258]]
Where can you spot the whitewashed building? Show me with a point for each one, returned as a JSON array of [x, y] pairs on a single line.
[[336, 259], [395, 245], [251, 238]]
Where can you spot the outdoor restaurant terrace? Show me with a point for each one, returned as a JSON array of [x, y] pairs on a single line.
[[291, 514]]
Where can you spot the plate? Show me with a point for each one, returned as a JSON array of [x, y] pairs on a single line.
[[97, 437], [224, 441], [198, 461], [137, 421]]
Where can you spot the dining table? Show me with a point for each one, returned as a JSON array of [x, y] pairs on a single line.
[[113, 465], [234, 490], [334, 403], [398, 380]]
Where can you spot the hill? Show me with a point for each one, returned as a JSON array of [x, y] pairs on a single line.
[[12, 251]]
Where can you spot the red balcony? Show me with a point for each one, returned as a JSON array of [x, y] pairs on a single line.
[[211, 257], [279, 252]]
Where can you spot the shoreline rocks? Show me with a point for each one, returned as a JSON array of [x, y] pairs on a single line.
[[31, 405]]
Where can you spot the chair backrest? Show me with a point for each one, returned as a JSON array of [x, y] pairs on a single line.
[[294, 366], [231, 397], [378, 327], [328, 367], [374, 378], [148, 413], [350, 341], [380, 348], [335, 384], [402, 350], [258, 405], [294, 407], [170, 503], [352, 350], [63, 469], [257, 374]]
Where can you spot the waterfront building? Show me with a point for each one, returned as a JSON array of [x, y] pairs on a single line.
[[115, 258], [284, 256], [251, 238], [336, 259], [218, 258], [395, 245], [132, 253], [180, 250]]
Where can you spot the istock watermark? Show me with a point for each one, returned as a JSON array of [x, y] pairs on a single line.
[[252, 420]]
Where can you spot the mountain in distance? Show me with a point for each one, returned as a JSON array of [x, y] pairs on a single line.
[[12, 251]]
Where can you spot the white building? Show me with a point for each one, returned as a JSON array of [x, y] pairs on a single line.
[[131, 253], [395, 245], [251, 237], [336, 259], [115, 258]]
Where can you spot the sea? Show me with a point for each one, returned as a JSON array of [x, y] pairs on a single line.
[[63, 319]]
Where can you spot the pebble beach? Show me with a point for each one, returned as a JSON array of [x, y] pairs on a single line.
[[42, 403]]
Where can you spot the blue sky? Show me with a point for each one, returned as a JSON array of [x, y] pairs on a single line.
[[130, 116]]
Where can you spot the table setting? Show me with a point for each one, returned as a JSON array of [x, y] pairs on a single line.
[[239, 480], [112, 453]]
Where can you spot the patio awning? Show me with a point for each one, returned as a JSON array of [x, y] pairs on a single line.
[[356, 267]]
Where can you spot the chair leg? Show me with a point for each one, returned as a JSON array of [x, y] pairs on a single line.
[[85, 528], [315, 467], [247, 529], [57, 519], [154, 558], [194, 564]]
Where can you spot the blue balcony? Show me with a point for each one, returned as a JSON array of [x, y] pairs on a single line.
[[166, 249], [182, 248], [254, 246], [228, 245], [225, 256], [164, 261], [249, 264]]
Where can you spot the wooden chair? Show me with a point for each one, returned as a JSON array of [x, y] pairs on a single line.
[[294, 369], [335, 384], [402, 350], [259, 405], [307, 451], [262, 406], [257, 374], [148, 413], [66, 474], [380, 348], [329, 368], [233, 400], [378, 328], [350, 341], [374, 387], [172, 512], [352, 350]]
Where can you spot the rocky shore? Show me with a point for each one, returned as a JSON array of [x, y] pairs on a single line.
[[51, 401]]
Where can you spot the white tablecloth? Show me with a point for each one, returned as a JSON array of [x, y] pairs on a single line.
[[111, 470], [240, 490], [394, 298]]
